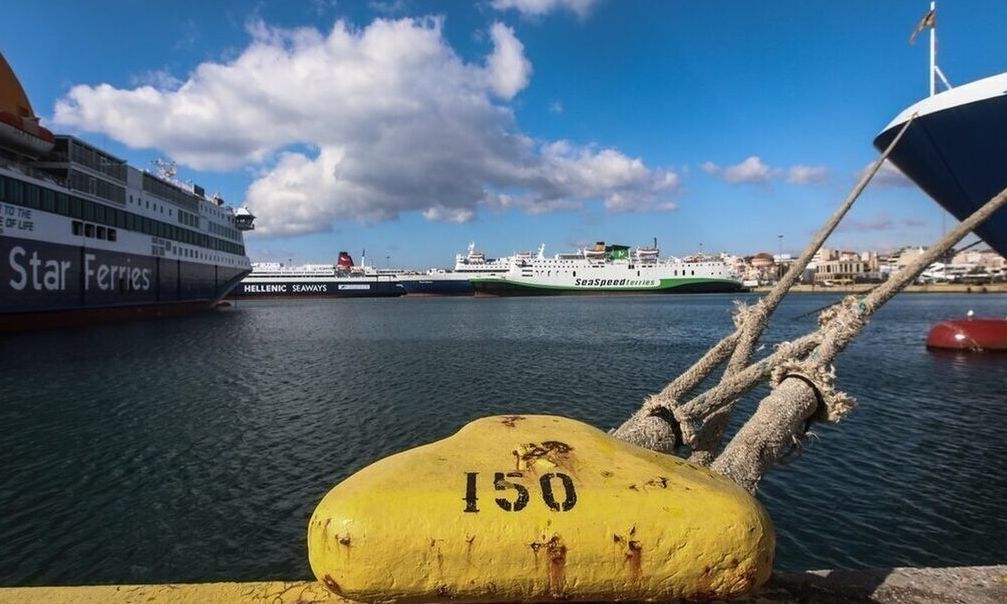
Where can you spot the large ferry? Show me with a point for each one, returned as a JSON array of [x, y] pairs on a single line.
[[609, 269], [457, 282], [956, 147], [85, 237], [342, 280]]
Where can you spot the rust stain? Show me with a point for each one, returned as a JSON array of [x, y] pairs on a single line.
[[606, 474], [660, 481], [440, 556], [510, 420], [535, 546], [553, 451], [557, 568], [634, 560], [345, 540], [468, 548], [443, 591], [331, 585]]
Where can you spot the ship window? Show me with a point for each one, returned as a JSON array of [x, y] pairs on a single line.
[[14, 191], [693, 272], [89, 230], [112, 235], [99, 213], [102, 233], [78, 228], [88, 209], [48, 200], [575, 273], [31, 196], [62, 204]]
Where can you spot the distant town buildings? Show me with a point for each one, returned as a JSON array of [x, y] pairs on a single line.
[[831, 267]]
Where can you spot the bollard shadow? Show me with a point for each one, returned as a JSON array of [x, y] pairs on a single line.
[[824, 587]]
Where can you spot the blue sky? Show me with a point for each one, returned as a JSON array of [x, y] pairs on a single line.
[[410, 128]]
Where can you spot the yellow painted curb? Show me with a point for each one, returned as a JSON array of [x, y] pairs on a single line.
[[264, 592]]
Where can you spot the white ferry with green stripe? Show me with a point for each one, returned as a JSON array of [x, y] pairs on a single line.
[[609, 269]]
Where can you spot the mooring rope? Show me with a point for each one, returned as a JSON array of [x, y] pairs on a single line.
[[649, 426], [778, 421], [800, 372]]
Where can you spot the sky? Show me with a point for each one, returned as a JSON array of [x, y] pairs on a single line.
[[411, 128]]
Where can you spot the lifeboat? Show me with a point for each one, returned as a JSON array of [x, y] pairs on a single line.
[[597, 252], [19, 128], [969, 334]]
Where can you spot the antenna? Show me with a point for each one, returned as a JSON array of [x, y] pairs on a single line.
[[165, 168], [935, 70], [933, 49]]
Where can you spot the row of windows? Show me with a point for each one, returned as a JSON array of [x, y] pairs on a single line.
[[96, 186], [171, 193], [29, 195], [188, 219], [92, 158], [95, 231], [223, 231]]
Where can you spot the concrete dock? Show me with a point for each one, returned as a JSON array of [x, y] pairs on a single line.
[[964, 585]]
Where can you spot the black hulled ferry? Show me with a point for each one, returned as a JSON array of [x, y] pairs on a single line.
[[340, 280], [84, 237]]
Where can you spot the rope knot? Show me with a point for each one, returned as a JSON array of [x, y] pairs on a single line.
[[833, 405]]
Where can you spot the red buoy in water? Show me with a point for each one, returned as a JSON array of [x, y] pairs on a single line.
[[969, 334]]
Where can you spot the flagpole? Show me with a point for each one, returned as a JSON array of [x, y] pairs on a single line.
[[933, 49]]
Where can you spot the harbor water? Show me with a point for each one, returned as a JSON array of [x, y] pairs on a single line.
[[195, 449]]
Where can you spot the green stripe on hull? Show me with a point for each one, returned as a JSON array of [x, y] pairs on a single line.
[[684, 285]]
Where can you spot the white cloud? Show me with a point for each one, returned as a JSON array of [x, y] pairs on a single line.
[[442, 214], [880, 222], [806, 175], [537, 8], [508, 69], [555, 107], [754, 171], [710, 168], [158, 78], [888, 176], [365, 124]]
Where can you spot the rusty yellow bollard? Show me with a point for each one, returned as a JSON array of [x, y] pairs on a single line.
[[537, 508]]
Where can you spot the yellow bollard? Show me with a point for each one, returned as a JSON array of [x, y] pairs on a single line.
[[537, 508]]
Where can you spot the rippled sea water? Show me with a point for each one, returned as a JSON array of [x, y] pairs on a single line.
[[195, 449]]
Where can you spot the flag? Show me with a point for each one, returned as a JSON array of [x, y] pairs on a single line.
[[928, 20]]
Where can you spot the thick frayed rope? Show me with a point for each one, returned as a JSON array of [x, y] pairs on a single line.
[[833, 405]]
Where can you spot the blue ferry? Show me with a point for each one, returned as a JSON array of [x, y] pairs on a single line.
[[956, 147], [84, 237]]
